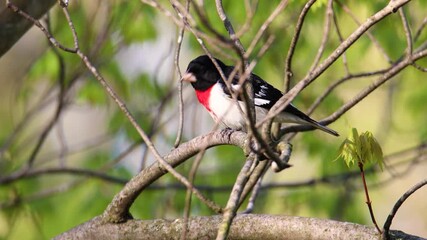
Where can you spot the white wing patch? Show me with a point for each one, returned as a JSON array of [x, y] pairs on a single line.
[[260, 96], [262, 92], [260, 101]]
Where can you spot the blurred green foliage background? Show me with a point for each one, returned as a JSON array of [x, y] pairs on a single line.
[[133, 44]]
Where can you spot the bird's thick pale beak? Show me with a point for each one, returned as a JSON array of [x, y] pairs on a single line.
[[188, 77]]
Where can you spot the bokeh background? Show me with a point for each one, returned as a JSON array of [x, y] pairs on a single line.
[[133, 45]]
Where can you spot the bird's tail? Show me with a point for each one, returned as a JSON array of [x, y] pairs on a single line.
[[293, 115], [321, 127]]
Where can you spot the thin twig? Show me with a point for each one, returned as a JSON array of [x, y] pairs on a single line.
[[36, 22], [230, 29], [122, 107], [121, 203], [337, 83], [144, 136], [284, 101], [61, 95], [265, 25], [390, 73], [341, 38], [233, 200], [180, 97], [188, 195], [418, 67], [61, 99], [420, 29], [399, 203], [248, 93], [384, 78], [61, 170], [298, 28], [415, 155], [368, 32], [407, 31], [325, 35], [249, 17], [155, 126], [368, 200], [257, 175]]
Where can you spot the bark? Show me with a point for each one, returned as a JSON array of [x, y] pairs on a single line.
[[118, 209], [245, 226], [13, 26]]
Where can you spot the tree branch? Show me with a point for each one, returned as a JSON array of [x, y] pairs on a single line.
[[288, 62], [118, 210], [244, 226], [234, 199], [371, 21], [12, 27], [399, 203]]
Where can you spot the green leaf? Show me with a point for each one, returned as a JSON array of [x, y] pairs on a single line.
[[347, 150], [363, 148]]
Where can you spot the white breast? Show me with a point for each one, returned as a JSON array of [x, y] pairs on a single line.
[[225, 109]]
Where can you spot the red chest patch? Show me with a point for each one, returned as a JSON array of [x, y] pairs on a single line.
[[203, 97]]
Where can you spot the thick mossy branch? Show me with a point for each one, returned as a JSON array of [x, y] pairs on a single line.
[[244, 226]]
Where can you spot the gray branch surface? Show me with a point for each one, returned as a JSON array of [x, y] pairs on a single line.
[[118, 209], [244, 226], [13, 26]]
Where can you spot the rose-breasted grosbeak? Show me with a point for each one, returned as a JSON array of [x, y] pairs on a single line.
[[214, 95]]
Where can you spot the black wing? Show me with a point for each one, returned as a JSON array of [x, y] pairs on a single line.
[[265, 94]]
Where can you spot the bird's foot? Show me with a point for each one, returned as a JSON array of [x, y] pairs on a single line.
[[227, 132]]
